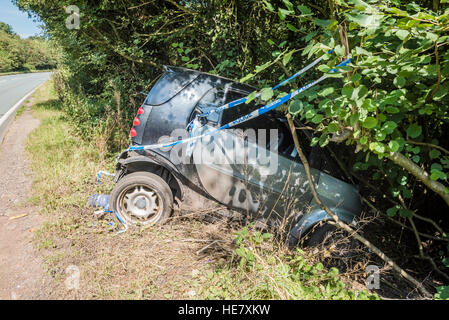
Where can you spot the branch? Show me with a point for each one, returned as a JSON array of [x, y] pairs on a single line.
[[341, 137], [173, 2], [430, 145], [343, 225], [419, 173], [399, 223], [141, 5]]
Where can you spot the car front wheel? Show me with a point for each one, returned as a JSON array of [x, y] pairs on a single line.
[[142, 198]]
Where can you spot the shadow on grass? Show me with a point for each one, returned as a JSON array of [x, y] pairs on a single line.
[[53, 104]]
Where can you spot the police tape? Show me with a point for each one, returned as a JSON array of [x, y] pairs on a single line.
[[243, 100]]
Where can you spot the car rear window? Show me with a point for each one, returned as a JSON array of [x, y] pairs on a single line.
[[169, 85]]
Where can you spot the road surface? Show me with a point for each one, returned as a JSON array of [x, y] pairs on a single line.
[[15, 87]]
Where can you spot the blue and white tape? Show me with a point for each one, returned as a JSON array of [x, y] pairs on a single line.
[[243, 100]]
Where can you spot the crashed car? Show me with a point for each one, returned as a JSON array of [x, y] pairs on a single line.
[[152, 182]]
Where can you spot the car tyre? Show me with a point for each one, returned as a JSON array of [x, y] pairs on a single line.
[[142, 198]]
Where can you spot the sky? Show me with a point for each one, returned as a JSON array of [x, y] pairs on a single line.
[[21, 24]]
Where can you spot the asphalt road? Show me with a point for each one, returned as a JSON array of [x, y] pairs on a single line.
[[15, 87]]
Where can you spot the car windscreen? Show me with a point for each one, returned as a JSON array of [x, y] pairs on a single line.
[[169, 85]]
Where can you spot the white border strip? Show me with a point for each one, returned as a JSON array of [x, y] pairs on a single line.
[[7, 118]]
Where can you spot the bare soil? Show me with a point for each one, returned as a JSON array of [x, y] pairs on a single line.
[[21, 271]]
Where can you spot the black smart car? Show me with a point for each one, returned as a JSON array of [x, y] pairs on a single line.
[[151, 183]]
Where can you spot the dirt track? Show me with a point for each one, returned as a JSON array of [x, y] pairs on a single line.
[[20, 264]]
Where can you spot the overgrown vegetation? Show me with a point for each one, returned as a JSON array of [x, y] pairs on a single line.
[[387, 112], [266, 271], [31, 54]]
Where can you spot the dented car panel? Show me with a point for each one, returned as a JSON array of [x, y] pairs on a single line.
[[277, 193]]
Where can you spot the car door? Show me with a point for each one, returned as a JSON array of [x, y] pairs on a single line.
[[219, 157], [253, 167]]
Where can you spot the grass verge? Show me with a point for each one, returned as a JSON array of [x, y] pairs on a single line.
[[187, 258]]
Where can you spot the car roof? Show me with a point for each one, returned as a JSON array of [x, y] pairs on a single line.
[[236, 84]]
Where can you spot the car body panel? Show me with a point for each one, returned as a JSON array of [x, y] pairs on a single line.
[[282, 194]]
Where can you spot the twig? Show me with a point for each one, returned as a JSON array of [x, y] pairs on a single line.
[[141, 5], [209, 245], [430, 145], [399, 223]]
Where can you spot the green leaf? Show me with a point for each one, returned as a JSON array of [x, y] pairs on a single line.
[[284, 13], [262, 67], [434, 154], [304, 10], [324, 68], [442, 293], [392, 110], [414, 130], [370, 122], [402, 34], [389, 127], [369, 105], [380, 135], [268, 6], [317, 118], [347, 91], [437, 175], [292, 27], [377, 147], [326, 92], [251, 97], [266, 94], [333, 127], [361, 51], [288, 4], [322, 23], [340, 50], [392, 211], [295, 107], [399, 82], [405, 213], [356, 78], [287, 57], [393, 146]]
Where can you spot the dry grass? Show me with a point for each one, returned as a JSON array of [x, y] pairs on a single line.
[[136, 264]]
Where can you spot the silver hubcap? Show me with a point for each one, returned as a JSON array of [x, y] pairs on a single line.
[[140, 204]]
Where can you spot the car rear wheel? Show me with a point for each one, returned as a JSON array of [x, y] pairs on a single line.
[[142, 198], [339, 246]]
